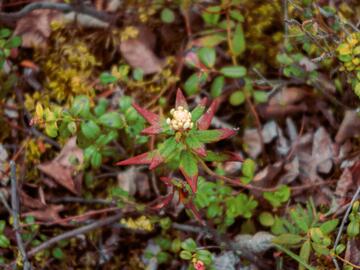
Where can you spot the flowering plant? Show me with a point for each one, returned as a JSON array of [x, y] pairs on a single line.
[[186, 134]]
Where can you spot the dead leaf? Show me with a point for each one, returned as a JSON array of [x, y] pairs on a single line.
[[35, 29], [344, 185], [50, 213], [350, 126], [30, 202], [288, 96], [137, 52], [61, 170], [132, 181], [352, 253]]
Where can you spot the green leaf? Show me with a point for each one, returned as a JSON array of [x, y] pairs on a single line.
[[4, 241], [217, 86], [353, 228], [284, 59], [71, 126], [233, 71], [138, 74], [295, 257], [90, 129], [96, 159], [192, 84], [189, 245], [168, 147], [14, 42], [204, 255], [299, 220], [58, 254], [305, 253], [281, 195], [266, 219], [211, 40], [4, 33], [320, 249], [167, 15], [211, 15], [236, 15], [237, 98], [2, 226], [193, 142], [329, 226], [340, 249], [207, 136], [260, 96], [207, 56], [189, 164], [111, 120], [51, 129], [248, 168], [185, 255], [89, 151], [81, 106], [288, 239], [107, 78], [238, 41]]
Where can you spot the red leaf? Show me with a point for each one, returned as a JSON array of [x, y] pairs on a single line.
[[145, 158], [156, 161], [192, 180], [205, 121], [196, 213], [225, 133], [166, 180], [152, 130], [180, 100], [234, 156], [151, 117], [201, 151], [164, 201]]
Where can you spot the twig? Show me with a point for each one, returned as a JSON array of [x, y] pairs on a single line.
[[14, 16], [72, 233], [69, 199], [15, 214], [338, 237]]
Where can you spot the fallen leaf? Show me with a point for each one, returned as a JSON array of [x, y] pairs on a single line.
[[350, 126], [344, 185], [288, 96], [137, 52], [60, 168], [49, 213], [35, 29]]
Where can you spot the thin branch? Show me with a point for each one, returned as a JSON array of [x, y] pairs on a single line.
[[73, 233], [14, 16], [338, 237], [15, 214]]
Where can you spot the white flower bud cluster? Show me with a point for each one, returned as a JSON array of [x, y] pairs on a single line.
[[181, 119]]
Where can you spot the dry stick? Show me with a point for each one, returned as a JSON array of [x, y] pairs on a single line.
[[348, 210], [13, 16], [72, 233], [15, 214]]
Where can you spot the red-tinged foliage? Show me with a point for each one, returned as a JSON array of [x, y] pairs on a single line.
[[226, 133], [151, 117], [145, 158], [201, 151], [156, 161], [205, 120], [180, 100], [190, 179], [164, 201], [152, 130]]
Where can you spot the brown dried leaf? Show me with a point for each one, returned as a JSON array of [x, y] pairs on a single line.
[[61, 170], [50, 213], [34, 28], [288, 96], [137, 52], [30, 202], [350, 126], [343, 185]]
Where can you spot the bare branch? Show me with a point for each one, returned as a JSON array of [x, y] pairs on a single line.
[[15, 214], [83, 9]]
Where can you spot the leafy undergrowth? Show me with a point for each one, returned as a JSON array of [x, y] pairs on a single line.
[[179, 135]]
